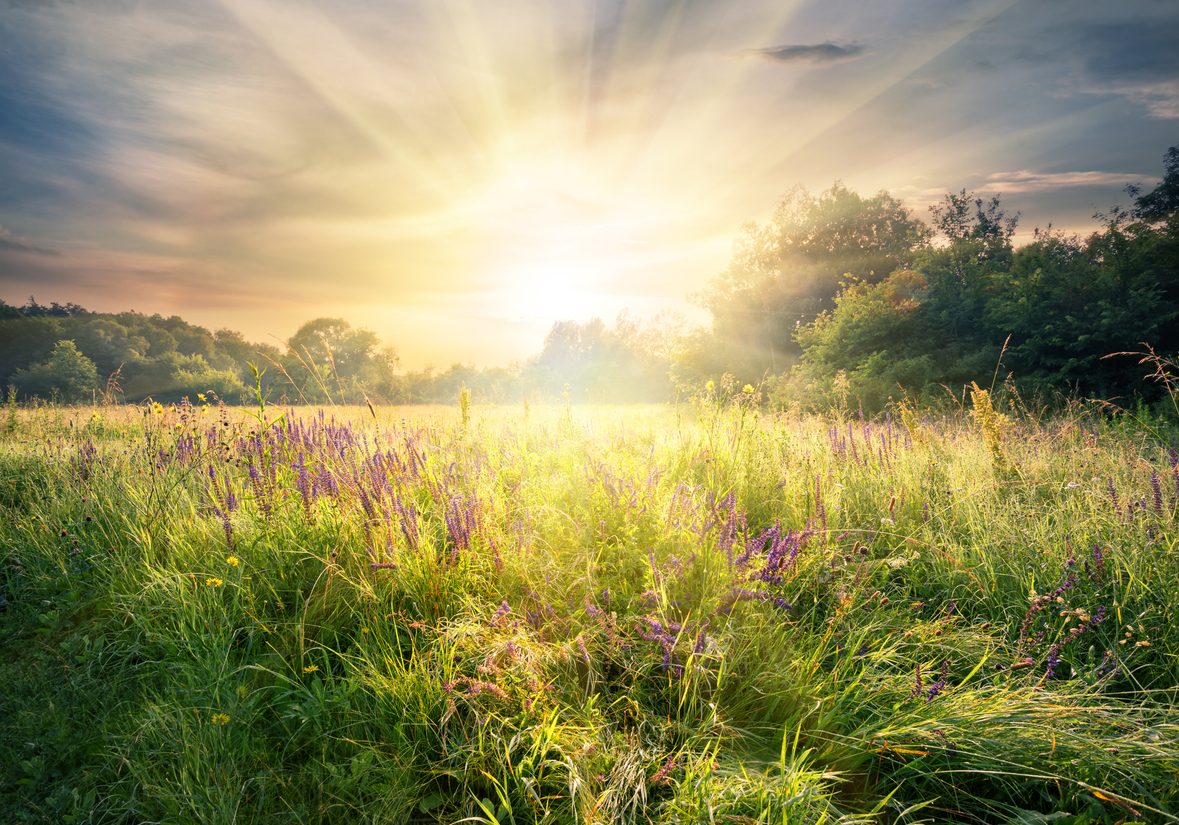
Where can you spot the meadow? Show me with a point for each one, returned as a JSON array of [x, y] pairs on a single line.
[[673, 614]]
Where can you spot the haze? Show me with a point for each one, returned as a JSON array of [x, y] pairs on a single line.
[[457, 175]]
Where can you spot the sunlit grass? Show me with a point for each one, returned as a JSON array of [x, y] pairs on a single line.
[[558, 614]]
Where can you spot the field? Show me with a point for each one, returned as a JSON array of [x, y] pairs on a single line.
[[703, 613]]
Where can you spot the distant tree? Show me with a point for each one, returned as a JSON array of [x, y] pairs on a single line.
[[67, 375], [329, 360], [626, 362]]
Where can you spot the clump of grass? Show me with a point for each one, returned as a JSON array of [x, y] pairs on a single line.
[[686, 615]]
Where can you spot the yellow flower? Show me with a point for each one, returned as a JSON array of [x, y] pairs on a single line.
[[201, 397], [710, 386], [213, 581], [220, 719], [157, 408], [747, 389], [232, 561], [311, 668]]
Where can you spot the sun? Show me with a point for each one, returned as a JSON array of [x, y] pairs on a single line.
[[558, 246]]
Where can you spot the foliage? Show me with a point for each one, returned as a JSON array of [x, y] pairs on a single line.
[[784, 273], [967, 306], [67, 375]]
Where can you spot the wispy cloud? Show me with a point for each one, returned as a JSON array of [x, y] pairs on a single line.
[[14, 243], [811, 52], [1027, 180]]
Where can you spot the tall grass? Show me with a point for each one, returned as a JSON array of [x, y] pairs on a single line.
[[693, 614]]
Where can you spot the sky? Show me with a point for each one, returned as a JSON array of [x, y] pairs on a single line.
[[458, 174]]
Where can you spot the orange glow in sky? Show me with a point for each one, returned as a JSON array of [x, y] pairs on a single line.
[[457, 175]]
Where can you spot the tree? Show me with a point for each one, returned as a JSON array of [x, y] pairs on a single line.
[[67, 375], [784, 273], [1065, 311], [1161, 203], [329, 360]]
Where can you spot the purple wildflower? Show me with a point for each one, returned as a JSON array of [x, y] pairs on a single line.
[[1156, 488], [501, 611], [1052, 662], [937, 687], [1113, 495], [1098, 563]]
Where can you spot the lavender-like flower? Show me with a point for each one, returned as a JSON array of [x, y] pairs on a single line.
[[1156, 488], [1098, 563], [1113, 496], [937, 687], [501, 611], [303, 483], [407, 517], [1052, 662]]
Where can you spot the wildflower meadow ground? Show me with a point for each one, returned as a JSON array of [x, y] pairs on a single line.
[[677, 614]]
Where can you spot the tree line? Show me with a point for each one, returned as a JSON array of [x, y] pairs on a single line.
[[844, 299], [69, 354], [839, 299]]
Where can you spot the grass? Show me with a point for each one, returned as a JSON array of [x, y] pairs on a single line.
[[692, 614]]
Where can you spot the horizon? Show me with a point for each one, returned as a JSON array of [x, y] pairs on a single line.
[[458, 180]]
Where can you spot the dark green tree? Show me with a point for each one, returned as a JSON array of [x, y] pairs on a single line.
[[67, 376]]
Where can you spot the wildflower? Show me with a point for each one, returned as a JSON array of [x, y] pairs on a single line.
[[747, 389], [157, 408], [937, 687], [311, 668], [1052, 662], [213, 581], [220, 719], [660, 776], [501, 611], [201, 397], [232, 561], [710, 386]]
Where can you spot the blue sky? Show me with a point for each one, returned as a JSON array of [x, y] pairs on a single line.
[[456, 175]]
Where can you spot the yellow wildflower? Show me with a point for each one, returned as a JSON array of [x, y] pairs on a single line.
[[710, 386], [220, 719], [213, 581], [232, 561], [157, 408], [201, 397], [311, 668], [747, 389]]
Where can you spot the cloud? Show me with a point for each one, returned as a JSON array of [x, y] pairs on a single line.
[[14, 243], [1161, 99], [811, 52], [1137, 60], [1026, 180]]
